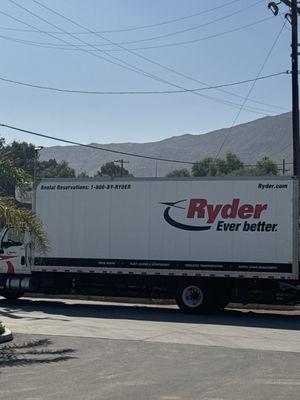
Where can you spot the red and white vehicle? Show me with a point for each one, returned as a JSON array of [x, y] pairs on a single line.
[[203, 241]]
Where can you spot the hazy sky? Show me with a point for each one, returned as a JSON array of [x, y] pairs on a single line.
[[235, 56]]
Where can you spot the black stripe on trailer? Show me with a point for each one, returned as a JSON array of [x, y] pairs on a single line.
[[162, 264]]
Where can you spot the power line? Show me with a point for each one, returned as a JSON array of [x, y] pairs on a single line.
[[170, 21], [133, 52], [148, 59], [37, 86], [138, 54], [189, 29], [64, 41], [135, 70], [126, 66], [91, 146], [196, 40], [172, 70], [65, 47], [249, 91]]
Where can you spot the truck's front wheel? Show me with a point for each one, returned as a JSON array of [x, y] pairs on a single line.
[[12, 295], [196, 298]]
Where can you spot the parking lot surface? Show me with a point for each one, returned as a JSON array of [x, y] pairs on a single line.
[[71, 349]]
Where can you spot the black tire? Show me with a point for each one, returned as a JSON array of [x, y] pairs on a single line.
[[12, 295], [195, 297]]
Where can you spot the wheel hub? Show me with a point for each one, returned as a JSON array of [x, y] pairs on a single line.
[[192, 296]]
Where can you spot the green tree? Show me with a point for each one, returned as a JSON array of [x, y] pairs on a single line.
[[83, 174], [10, 176], [179, 173], [22, 154], [230, 165], [205, 167], [53, 169], [45, 165], [233, 163], [111, 169], [10, 212], [266, 166], [221, 168]]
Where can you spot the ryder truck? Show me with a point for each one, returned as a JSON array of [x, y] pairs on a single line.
[[204, 241]]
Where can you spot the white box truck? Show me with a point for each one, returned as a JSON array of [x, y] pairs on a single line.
[[203, 241]]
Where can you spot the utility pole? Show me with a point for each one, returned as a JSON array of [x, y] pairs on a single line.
[[122, 162], [284, 168], [36, 157], [296, 149], [292, 17]]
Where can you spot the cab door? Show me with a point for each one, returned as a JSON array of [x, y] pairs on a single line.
[[12, 253]]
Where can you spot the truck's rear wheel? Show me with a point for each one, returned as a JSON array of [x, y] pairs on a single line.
[[197, 298], [12, 295]]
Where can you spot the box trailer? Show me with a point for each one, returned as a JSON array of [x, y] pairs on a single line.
[[203, 241]]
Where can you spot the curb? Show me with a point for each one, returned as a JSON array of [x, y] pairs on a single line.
[[253, 306], [109, 299], [163, 302], [6, 336]]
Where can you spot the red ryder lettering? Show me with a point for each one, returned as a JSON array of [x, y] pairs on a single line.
[[200, 208]]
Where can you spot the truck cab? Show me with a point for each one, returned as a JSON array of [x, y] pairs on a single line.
[[13, 258]]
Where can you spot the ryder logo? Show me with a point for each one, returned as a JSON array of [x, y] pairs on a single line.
[[225, 217]]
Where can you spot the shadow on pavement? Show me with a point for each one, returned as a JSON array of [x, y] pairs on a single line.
[[52, 308], [32, 352]]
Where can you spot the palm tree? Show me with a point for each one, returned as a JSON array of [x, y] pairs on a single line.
[[12, 214]]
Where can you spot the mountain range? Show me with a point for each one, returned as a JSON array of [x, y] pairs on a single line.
[[269, 136]]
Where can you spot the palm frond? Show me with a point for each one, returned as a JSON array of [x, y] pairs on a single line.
[[22, 219], [10, 174]]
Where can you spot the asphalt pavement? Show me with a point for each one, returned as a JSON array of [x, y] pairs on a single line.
[[86, 350]]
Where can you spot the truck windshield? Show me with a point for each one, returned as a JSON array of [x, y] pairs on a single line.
[[10, 239]]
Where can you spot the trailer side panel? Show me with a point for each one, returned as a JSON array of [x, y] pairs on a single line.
[[235, 227]]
